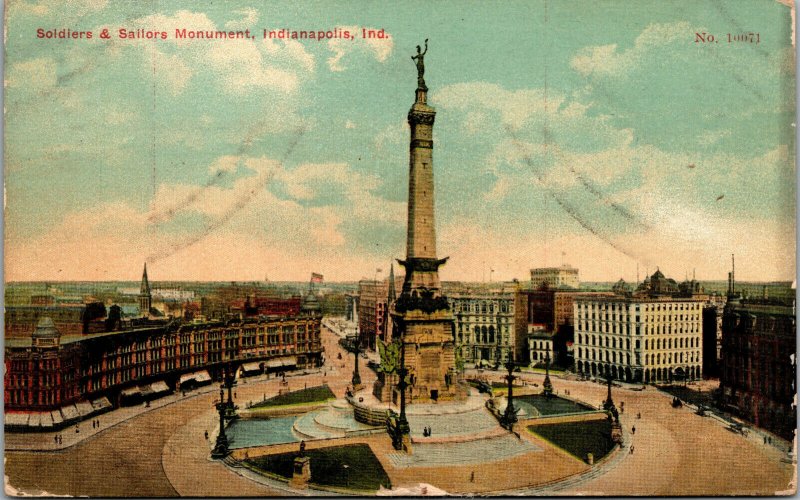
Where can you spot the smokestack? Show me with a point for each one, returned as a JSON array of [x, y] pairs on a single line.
[[733, 274]]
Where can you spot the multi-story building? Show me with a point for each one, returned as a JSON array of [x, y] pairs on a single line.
[[639, 338], [712, 338], [758, 363], [555, 277], [550, 322], [50, 372], [485, 329], [373, 311]]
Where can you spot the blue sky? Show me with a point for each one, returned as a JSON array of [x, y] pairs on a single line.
[[597, 134]]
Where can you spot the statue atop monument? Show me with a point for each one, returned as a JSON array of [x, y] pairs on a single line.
[[419, 59]]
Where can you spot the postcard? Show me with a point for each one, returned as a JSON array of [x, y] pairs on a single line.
[[275, 248]]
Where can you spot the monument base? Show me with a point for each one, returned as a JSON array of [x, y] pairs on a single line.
[[301, 474]]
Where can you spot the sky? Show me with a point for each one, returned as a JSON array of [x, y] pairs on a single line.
[[599, 134]]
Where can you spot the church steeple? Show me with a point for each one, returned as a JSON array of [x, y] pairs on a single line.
[[392, 292], [145, 297], [145, 288]]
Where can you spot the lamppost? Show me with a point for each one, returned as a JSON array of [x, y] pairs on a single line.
[[608, 404], [401, 427], [221, 446], [510, 416], [548, 386], [356, 376], [230, 376]]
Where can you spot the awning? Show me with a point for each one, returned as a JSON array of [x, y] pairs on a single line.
[[70, 412], [201, 376], [56, 416], [146, 390], [159, 387], [133, 391], [101, 404], [35, 420], [17, 419], [252, 367], [273, 363], [84, 408], [47, 420]]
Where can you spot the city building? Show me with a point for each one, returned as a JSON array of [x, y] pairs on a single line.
[[372, 310], [485, 331], [63, 378], [549, 322], [712, 338], [758, 363], [639, 338], [555, 277]]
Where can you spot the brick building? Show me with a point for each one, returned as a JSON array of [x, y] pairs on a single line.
[[51, 371], [758, 363]]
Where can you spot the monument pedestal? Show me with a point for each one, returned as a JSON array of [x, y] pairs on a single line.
[[407, 444], [301, 474]]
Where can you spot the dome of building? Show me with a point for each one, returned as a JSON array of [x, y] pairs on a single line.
[[311, 303], [46, 333]]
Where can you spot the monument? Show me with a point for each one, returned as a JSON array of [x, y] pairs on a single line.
[[421, 318]]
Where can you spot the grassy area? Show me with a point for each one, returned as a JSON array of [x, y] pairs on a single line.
[[504, 385], [553, 405], [353, 467], [578, 438], [311, 395]]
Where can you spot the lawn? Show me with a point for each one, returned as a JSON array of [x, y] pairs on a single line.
[[578, 438], [553, 405], [352, 466], [311, 395]]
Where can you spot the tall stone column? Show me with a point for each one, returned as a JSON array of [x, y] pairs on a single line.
[[421, 315]]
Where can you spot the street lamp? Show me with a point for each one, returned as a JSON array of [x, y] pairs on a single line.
[[510, 416], [221, 446]]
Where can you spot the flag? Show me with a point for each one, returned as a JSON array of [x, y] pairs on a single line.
[[316, 278]]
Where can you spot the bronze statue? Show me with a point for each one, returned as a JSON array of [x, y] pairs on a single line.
[[419, 59]]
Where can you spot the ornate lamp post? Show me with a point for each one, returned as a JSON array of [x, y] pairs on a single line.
[[548, 386], [510, 416], [401, 429], [221, 446], [356, 376], [608, 404], [230, 407]]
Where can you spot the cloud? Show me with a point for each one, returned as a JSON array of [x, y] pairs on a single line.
[[240, 65], [189, 232], [34, 74], [380, 49], [607, 61], [249, 19]]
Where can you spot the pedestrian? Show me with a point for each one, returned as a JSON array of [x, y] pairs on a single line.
[[633, 430], [56, 439], [631, 451], [472, 477], [206, 435], [60, 439]]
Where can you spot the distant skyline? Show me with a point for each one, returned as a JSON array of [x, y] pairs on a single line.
[[598, 135]]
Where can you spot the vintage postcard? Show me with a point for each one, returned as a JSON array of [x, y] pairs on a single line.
[[355, 248]]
